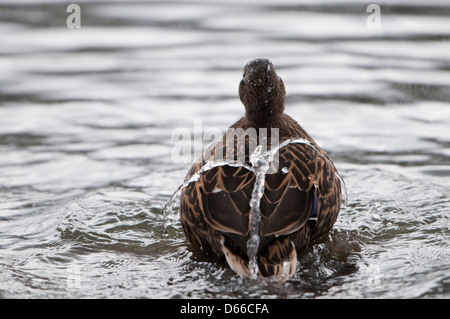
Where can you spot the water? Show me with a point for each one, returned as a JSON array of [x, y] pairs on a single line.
[[86, 122], [260, 164]]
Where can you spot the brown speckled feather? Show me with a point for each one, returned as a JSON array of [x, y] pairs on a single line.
[[215, 210]]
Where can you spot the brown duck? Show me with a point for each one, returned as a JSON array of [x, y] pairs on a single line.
[[302, 191]]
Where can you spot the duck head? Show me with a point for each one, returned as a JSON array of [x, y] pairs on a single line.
[[262, 92]]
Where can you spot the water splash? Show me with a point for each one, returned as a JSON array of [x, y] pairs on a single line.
[[168, 207], [344, 187], [260, 165], [167, 210]]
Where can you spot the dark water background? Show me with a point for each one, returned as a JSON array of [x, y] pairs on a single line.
[[86, 123]]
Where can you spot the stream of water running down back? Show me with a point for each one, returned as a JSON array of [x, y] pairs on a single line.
[[86, 123], [260, 164]]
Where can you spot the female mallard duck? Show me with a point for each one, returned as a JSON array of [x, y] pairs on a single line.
[[302, 193]]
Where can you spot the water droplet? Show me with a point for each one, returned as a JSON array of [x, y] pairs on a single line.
[[217, 190], [260, 165]]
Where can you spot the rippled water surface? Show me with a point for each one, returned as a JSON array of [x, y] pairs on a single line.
[[86, 123]]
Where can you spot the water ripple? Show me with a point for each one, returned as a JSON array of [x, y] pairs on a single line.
[[86, 122]]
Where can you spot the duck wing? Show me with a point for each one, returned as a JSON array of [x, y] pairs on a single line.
[[226, 193], [290, 195]]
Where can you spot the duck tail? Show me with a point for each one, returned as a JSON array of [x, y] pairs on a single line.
[[234, 256], [278, 259]]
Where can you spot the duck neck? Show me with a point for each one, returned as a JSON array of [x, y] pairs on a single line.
[[264, 117]]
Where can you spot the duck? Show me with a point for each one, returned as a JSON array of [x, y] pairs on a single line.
[[301, 195]]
